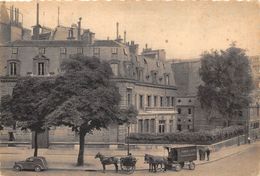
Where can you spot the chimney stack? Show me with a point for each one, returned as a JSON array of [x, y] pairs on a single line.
[[58, 16], [12, 14], [37, 14], [117, 30], [17, 15], [79, 28], [124, 37]]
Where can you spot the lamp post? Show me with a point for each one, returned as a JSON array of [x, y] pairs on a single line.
[[128, 127]]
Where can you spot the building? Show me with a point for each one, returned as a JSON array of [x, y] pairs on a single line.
[[144, 81], [11, 27]]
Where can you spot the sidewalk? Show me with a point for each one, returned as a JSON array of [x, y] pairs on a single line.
[[65, 159]]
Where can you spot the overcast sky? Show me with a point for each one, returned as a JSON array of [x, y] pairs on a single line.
[[183, 29]]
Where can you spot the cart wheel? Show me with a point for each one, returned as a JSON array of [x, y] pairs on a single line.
[[128, 169], [192, 165], [177, 167]]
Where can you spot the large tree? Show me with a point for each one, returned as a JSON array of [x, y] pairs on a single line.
[[25, 104], [86, 98], [227, 82]]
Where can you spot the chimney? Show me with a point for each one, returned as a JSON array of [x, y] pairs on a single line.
[[124, 37], [58, 16], [117, 30], [17, 15], [79, 28], [37, 14], [11, 14], [146, 46]]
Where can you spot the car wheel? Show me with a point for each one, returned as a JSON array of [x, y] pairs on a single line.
[[37, 169], [17, 168]]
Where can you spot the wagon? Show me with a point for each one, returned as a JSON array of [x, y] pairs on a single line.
[[127, 164], [179, 157]]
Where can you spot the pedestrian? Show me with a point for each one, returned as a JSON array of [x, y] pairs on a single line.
[[248, 140], [208, 153]]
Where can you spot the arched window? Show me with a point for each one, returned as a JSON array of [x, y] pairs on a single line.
[[13, 67]]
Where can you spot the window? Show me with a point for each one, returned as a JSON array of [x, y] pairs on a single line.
[[161, 101], [179, 127], [172, 101], [140, 126], [41, 50], [154, 77], [146, 125], [179, 100], [152, 126], [79, 50], [240, 113], [41, 68], [141, 105], [96, 51], [161, 126], [168, 101], [63, 50], [12, 68], [170, 126], [114, 50], [149, 101], [155, 101], [129, 97], [189, 111], [167, 82], [179, 110], [114, 68], [14, 50], [140, 75]]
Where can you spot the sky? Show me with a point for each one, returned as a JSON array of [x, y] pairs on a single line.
[[184, 29]]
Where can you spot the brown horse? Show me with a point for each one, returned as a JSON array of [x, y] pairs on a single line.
[[107, 161], [155, 161]]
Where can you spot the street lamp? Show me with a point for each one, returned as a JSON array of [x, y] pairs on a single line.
[[128, 127]]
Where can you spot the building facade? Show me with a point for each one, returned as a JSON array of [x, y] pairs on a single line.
[[144, 80]]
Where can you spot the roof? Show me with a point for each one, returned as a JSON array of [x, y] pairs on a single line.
[[107, 43], [48, 43]]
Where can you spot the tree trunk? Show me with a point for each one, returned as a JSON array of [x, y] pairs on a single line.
[[81, 149], [35, 144]]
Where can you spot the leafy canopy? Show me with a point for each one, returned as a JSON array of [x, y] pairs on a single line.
[[87, 97], [227, 81]]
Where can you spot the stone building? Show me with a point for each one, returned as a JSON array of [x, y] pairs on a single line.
[[144, 80]]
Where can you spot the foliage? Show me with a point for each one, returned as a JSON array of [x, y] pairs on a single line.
[[200, 137], [227, 82], [24, 106], [85, 98]]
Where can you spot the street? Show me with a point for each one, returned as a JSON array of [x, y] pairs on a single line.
[[247, 163]]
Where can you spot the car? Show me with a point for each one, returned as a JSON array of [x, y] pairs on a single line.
[[37, 164]]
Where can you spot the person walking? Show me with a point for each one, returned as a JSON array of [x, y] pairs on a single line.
[[208, 153]]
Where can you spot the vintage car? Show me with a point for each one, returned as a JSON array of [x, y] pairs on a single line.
[[32, 163]]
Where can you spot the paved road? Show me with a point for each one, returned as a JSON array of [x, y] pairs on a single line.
[[244, 164]]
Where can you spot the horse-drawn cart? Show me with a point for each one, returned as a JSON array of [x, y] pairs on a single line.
[[179, 157], [127, 164]]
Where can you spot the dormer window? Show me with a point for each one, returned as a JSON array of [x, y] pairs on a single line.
[[96, 52], [114, 67], [114, 50], [79, 50], [167, 81], [63, 50], [41, 50], [14, 50]]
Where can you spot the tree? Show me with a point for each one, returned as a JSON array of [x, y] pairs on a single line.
[[86, 98], [227, 82], [6, 118], [24, 106]]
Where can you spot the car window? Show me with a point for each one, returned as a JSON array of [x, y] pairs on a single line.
[[29, 159]]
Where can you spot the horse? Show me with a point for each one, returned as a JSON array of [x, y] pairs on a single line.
[[155, 161], [107, 161]]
